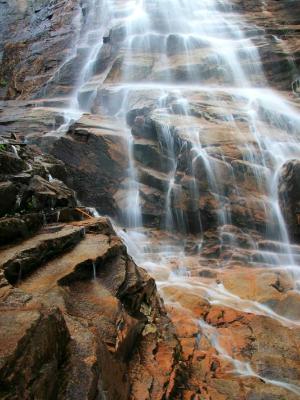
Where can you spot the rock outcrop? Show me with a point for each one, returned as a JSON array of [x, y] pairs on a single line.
[[289, 194], [95, 153], [74, 306], [37, 37], [278, 39], [30, 195]]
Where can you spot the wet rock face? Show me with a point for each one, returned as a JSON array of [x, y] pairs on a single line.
[[37, 38], [277, 39], [29, 193], [96, 155], [79, 308], [229, 349], [31, 365], [74, 306], [102, 182], [289, 194], [191, 179]]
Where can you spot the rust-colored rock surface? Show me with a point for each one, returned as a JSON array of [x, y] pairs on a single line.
[[80, 313], [79, 319]]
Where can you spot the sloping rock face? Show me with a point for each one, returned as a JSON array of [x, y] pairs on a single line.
[[236, 320], [95, 151], [36, 37], [82, 311], [74, 306], [161, 131], [279, 46], [37, 40]]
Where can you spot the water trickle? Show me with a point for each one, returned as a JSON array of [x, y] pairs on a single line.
[[44, 219], [14, 149], [93, 212], [94, 270], [50, 178], [18, 201], [241, 368], [132, 215]]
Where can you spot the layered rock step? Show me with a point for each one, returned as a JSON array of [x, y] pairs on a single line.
[[81, 309], [74, 306], [89, 307]]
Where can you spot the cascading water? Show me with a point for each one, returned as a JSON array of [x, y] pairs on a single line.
[[92, 23], [192, 69]]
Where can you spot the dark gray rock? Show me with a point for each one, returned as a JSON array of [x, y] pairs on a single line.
[[41, 195], [289, 196], [8, 197], [15, 228]]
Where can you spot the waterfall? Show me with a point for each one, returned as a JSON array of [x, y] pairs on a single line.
[[211, 134], [161, 39]]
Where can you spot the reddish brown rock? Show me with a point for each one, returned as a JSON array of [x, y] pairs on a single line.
[[109, 317]]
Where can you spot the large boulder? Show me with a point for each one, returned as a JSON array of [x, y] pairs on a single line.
[[8, 197], [19, 227], [41, 194], [10, 163], [95, 152]]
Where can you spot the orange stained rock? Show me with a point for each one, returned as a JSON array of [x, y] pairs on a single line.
[[192, 302], [222, 315]]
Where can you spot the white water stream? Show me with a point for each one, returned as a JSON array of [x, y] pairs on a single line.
[[194, 48]]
